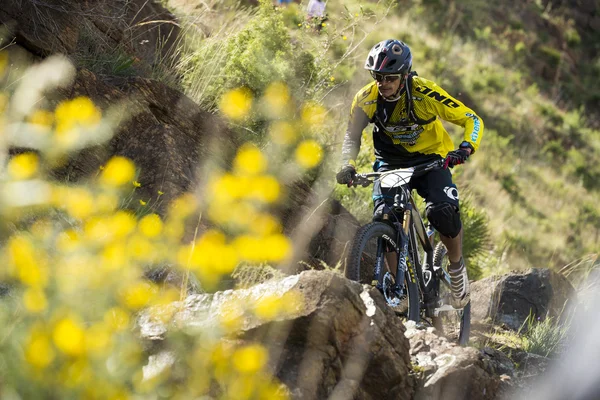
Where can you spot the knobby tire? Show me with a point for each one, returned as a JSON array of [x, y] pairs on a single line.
[[361, 270]]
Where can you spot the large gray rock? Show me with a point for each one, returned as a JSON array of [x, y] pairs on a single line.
[[344, 343], [509, 299], [450, 372]]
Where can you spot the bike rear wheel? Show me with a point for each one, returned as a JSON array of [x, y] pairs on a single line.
[[455, 324], [370, 242]]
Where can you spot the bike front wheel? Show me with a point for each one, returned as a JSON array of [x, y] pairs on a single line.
[[371, 243]]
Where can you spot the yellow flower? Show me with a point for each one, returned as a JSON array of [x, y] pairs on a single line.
[[323, 24], [276, 100], [136, 184], [143, 203], [268, 307], [141, 249], [98, 229], [34, 300], [332, 78], [236, 104], [277, 247], [79, 202], [117, 319], [150, 225], [282, 133], [69, 337], [345, 37], [313, 114], [39, 351], [98, 339], [264, 188], [23, 166], [138, 295], [80, 110], [265, 224], [183, 206], [249, 160], [123, 223], [250, 359], [309, 154], [118, 171], [160, 192], [42, 118]]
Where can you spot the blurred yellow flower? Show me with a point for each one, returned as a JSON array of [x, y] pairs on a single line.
[[292, 302], [42, 119], [35, 300], [282, 133], [249, 160], [226, 187], [118, 171], [114, 256], [150, 225], [27, 263], [117, 319], [309, 154], [68, 240], [23, 166], [137, 184], [98, 229], [123, 224], [277, 247], [160, 192], [250, 359], [143, 203], [78, 111], [79, 202], [141, 248], [138, 295], [313, 115], [264, 188], [236, 104], [249, 248], [106, 202], [69, 336], [38, 350], [98, 339], [265, 224], [276, 100], [268, 307], [3, 102], [231, 317], [183, 206], [345, 37]]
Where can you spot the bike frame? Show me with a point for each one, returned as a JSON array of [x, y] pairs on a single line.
[[409, 228]]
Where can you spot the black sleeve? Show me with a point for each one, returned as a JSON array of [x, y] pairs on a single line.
[[358, 122]]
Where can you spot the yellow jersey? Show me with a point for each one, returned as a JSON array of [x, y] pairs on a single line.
[[409, 134]]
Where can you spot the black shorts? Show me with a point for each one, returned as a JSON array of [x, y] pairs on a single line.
[[435, 187]]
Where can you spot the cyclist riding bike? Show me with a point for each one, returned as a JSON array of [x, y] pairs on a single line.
[[406, 110]]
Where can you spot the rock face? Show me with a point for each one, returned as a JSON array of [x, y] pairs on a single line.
[[509, 299], [93, 27], [450, 372], [344, 343]]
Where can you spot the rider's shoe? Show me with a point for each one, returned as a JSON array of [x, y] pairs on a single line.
[[459, 283]]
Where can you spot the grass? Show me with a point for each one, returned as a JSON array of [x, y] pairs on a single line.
[[544, 337]]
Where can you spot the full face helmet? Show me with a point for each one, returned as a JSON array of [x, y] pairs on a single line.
[[388, 60]]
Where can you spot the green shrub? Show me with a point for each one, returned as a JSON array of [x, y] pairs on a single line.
[[544, 337]]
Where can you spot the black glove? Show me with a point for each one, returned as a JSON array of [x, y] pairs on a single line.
[[346, 174], [456, 157]]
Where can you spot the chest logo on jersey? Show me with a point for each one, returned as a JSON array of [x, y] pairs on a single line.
[[404, 134], [438, 96]]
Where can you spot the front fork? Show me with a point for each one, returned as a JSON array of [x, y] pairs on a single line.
[[402, 251]]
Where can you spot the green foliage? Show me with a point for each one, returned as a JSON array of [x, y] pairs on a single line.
[[544, 337], [476, 237]]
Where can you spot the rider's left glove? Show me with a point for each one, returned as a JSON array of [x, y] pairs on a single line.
[[346, 174], [458, 156]]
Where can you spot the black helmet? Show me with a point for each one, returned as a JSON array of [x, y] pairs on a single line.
[[389, 57]]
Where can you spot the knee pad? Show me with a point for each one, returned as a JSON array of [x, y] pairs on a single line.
[[445, 218]]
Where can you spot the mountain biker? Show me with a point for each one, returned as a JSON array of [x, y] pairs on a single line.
[[406, 110]]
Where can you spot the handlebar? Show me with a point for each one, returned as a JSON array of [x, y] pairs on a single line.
[[367, 178]]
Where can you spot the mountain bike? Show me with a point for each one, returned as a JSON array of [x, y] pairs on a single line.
[[422, 291]]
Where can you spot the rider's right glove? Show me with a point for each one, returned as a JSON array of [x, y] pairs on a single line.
[[456, 157], [346, 174]]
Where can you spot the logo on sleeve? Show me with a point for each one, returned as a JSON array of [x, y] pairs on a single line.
[[448, 102]]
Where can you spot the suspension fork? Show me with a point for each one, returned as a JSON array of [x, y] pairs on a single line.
[[403, 238]]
